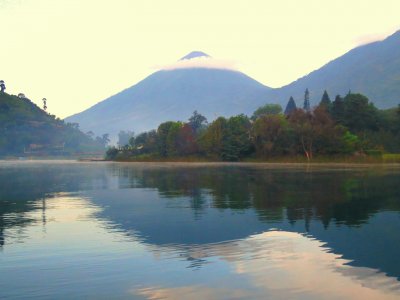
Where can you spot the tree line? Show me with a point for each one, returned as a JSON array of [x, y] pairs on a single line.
[[346, 126]]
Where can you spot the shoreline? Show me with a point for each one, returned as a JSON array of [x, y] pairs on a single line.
[[274, 165], [260, 164]]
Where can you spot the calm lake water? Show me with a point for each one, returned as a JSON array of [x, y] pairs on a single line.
[[72, 230]]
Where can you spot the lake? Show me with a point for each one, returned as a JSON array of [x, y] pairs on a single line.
[[76, 230]]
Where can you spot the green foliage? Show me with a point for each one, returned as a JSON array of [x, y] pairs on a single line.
[[172, 146], [359, 114], [271, 135], [267, 109], [162, 137], [236, 138], [211, 142], [25, 128], [316, 132], [111, 153], [144, 143], [350, 142], [349, 126]]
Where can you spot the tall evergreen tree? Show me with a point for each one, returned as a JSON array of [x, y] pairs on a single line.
[[325, 101], [2, 86], [290, 107], [306, 105], [337, 110], [197, 121]]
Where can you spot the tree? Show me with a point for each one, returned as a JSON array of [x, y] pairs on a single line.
[[187, 143], [197, 121], [325, 101], [359, 113], [290, 107], [44, 104], [172, 139], [146, 142], [2, 86], [337, 110], [211, 141], [300, 121], [306, 105], [270, 135], [267, 109], [328, 137], [398, 116], [111, 153], [162, 134], [316, 132], [236, 138]]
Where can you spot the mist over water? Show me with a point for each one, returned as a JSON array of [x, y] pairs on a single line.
[[163, 231]]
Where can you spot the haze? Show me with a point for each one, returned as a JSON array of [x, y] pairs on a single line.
[[77, 53]]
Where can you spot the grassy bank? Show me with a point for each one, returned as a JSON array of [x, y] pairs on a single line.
[[382, 159]]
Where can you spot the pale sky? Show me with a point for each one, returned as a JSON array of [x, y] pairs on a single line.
[[79, 52]]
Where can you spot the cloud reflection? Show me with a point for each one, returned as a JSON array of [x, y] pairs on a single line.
[[280, 265]]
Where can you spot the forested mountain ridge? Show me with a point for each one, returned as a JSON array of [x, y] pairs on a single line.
[[372, 69], [27, 129]]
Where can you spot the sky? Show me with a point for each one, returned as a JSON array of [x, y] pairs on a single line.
[[77, 53]]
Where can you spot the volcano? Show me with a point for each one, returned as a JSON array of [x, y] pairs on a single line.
[[174, 94]]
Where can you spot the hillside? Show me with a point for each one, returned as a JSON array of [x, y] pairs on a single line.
[[372, 69], [26, 129], [174, 95]]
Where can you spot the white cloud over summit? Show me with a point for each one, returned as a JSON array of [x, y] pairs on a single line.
[[201, 62]]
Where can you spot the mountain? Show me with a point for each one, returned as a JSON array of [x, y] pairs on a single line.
[[195, 54], [372, 69], [25, 129], [174, 95]]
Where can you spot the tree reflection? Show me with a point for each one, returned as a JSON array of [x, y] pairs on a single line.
[[341, 197]]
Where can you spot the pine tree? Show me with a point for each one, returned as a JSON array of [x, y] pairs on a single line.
[[337, 110], [306, 105], [290, 107], [2, 86], [325, 100]]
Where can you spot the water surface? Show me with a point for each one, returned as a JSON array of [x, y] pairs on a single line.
[[72, 230]]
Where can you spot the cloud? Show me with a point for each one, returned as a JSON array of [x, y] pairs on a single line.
[[374, 37], [201, 62]]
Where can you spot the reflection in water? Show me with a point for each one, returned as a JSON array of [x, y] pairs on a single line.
[[267, 264], [354, 212], [198, 232]]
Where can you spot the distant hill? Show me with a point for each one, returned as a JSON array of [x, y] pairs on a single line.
[[26, 129], [174, 95], [372, 70]]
